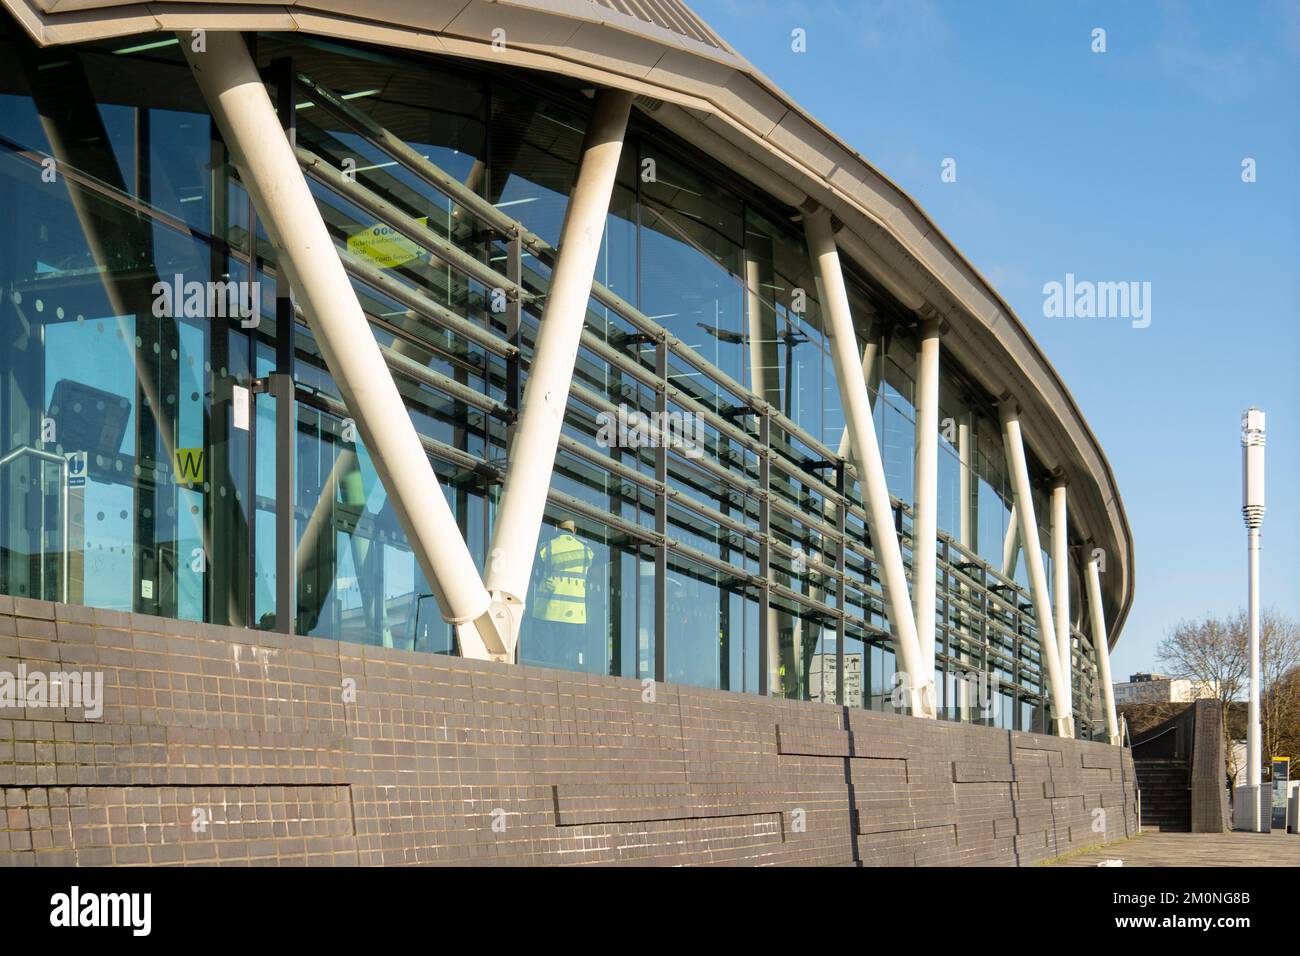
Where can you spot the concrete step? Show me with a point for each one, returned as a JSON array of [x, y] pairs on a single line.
[[1166, 799]]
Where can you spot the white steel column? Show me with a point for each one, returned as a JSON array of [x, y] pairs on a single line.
[[1018, 466], [760, 314], [1011, 543], [239, 103], [965, 500], [866, 452], [966, 536], [871, 375], [1061, 585], [925, 521], [765, 382], [1100, 645], [546, 393]]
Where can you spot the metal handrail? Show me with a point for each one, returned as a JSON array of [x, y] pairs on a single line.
[[1123, 736], [62, 462]]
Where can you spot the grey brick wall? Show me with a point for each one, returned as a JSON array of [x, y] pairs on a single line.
[[222, 745]]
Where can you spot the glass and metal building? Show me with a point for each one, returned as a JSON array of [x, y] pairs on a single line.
[[193, 423]]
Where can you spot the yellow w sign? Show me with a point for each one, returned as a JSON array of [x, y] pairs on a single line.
[[189, 465]]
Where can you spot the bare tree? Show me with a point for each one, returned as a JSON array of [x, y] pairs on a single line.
[[1283, 703], [1216, 651], [1210, 650], [1279, 654]]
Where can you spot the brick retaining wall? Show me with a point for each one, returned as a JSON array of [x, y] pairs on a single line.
[[224, 745]]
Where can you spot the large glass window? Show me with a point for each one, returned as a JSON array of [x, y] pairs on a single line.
[[112, 362], [180, 436], [691, 242]]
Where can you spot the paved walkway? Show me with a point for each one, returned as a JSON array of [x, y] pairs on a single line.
[[1197, 849]]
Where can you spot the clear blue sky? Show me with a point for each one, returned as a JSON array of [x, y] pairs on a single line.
[[1123, 165]]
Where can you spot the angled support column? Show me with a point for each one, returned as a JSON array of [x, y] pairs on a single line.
[[1018, 466], [871, 373], [765, 382], [760, 316], [966, 535], [546, 393], [866, 453], [965, 486], [1093, 576], [1061, 586], [925, 521], [229, 81], [1011, 543]]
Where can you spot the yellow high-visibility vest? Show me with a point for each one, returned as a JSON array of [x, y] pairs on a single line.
[[562, 593]]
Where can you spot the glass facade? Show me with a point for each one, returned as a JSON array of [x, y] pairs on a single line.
[[212, 472]]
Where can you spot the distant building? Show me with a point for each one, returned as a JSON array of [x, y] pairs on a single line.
[[1162, 689], [1237, 763]]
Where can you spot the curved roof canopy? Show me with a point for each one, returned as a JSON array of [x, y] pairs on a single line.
[[692, 81]]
